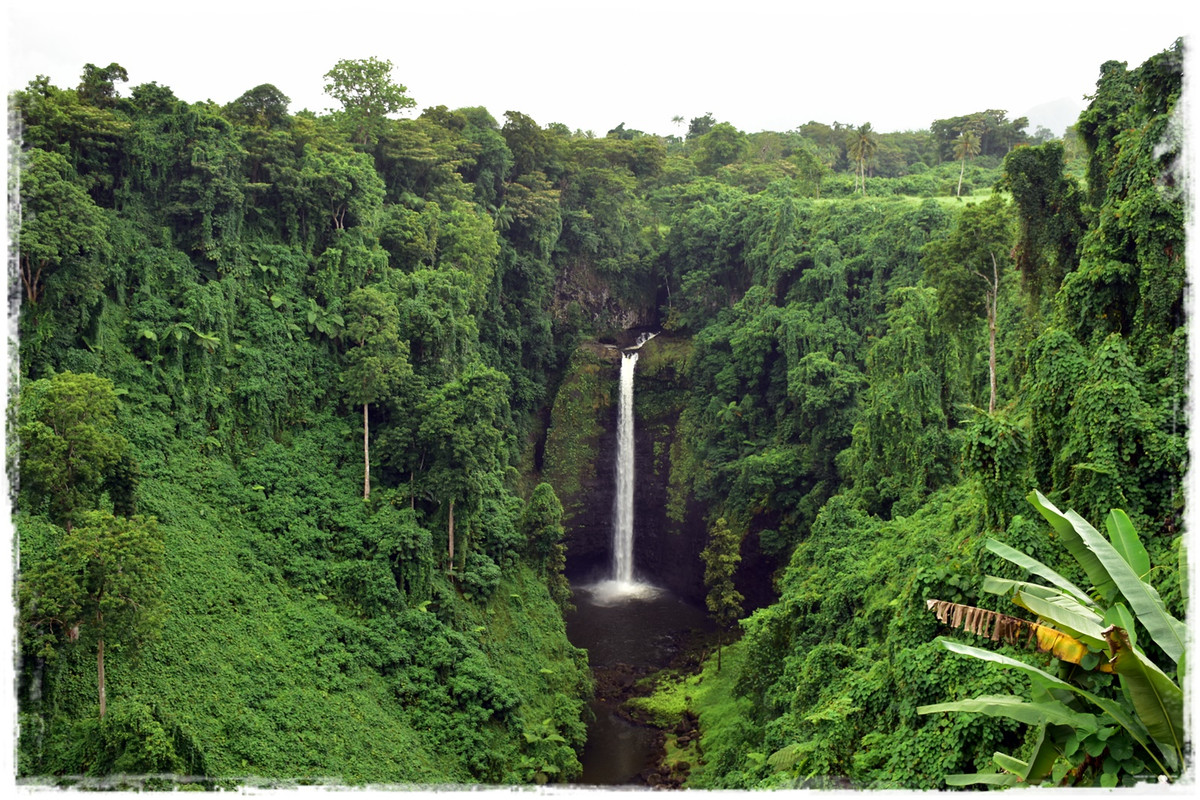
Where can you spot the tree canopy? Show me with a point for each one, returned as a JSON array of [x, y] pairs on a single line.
[[367, 93]]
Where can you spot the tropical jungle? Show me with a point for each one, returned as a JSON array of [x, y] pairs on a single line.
[[312, 420]]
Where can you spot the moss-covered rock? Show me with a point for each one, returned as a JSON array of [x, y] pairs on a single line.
[[578, 460]]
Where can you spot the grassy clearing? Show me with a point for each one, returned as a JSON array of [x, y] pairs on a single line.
[[707, 694]]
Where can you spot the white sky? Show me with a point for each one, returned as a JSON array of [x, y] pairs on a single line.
[[760, 65]]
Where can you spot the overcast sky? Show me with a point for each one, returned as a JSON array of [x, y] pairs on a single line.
[[592, 65]]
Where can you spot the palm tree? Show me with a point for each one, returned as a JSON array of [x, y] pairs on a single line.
[[862, 148], [966, 146], [677, 121]]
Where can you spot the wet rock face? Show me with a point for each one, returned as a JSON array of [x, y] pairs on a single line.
[[589, 529], [579, 458], [667, 552], [581, 289]]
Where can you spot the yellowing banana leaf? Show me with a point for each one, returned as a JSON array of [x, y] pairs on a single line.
[[1013, 630], [1067, 615], [1032, 565], [1065, 647]]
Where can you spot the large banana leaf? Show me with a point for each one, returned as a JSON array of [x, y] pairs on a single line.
[[1021, 710], [1036, 567], [1046, 751], [1014, 765], [1071, 540], [1008, 586], [1068, 615], [1167, 632], [1157, 701], [1123, 537], [989, 778], [1112, 575], [1137, 731]]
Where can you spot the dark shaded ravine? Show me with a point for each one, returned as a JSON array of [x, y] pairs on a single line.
[[627, 638]]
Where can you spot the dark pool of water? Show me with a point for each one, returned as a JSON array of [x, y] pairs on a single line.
[[626, 627], [616, 750]]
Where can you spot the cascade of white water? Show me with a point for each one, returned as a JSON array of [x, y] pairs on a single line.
[[623, 507]]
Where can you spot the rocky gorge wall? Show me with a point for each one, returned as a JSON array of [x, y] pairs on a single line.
[[579, 456], [579, 462]]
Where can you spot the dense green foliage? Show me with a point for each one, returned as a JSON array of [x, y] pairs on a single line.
[[216, 299], [839, 418], [314, 357], [721, 558]]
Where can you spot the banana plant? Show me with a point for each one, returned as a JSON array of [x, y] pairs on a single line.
[[1136, 730]]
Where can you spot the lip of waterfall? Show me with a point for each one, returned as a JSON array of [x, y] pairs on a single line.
[[641, 340]]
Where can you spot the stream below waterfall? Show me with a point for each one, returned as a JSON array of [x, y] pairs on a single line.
[[630, 631]]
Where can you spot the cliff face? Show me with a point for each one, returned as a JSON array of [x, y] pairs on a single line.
[[579, 460], [580, 464], [582, 293], [666, 550]]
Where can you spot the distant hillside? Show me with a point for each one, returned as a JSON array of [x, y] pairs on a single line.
[[1057, 115]]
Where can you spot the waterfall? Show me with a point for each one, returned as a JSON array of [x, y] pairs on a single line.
[[623, 507]]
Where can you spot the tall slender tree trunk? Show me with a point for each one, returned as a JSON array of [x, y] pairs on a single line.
[[451, 536], [992, 353], [961, 170], [992, 313], [366, 457], [100, 677]]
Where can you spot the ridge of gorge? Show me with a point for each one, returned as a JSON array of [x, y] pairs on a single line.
[[315, 424]]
